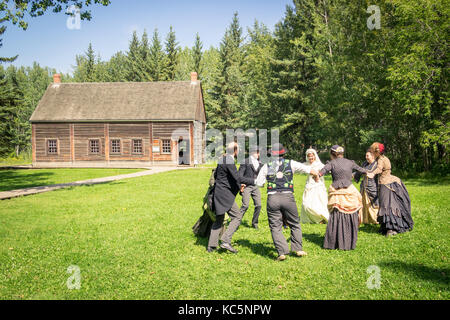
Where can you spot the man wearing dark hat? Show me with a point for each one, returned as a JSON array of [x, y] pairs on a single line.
[[250, 169], [281, 205]]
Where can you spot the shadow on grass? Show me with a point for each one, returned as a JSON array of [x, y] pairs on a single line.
[[201, 241], [314, 238], [13, 179], [427, 180], [261, 249], [437, 275], [370, 228], [245, 224]]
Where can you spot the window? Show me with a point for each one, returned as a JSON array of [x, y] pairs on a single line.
[[115, 146], [94, 146], [166, 146], [137, 145], [52, 146]]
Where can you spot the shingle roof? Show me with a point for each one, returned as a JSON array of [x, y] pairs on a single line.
[[120, 101]]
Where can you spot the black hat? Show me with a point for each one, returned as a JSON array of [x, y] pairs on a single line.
[[278, 150]]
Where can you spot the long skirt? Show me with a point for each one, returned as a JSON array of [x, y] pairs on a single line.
[[342, 231], [369, 210], [314, 205], [395, 208], [345, 216]]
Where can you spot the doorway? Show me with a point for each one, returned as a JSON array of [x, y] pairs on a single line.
[[184, 151]]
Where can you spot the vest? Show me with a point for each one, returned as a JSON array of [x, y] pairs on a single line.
[[282, 179]]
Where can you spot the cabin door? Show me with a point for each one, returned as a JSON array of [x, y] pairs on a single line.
[[184, 152]]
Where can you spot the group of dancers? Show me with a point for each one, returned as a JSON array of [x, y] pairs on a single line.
[[382, 198]]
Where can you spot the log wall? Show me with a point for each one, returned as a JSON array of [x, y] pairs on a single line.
[[73, 141]]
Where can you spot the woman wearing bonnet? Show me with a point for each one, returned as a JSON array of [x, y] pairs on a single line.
[[344, 202], [315, 197]]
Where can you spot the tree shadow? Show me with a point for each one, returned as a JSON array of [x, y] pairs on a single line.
[[15, 179], [438, 275], [314, 238], [428, 180], [261, 249]]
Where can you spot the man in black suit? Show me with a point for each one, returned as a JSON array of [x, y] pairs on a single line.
[[250, 169], [228, 184]]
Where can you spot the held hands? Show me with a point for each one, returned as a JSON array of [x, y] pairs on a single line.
[[370, 175], [242, 188], [315, 175]]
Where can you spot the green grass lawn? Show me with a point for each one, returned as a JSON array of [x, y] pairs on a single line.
[[11, 179], [132, 239]]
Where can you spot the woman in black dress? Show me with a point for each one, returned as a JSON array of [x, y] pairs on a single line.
[[344, 202], [394, 215], [369, 190]]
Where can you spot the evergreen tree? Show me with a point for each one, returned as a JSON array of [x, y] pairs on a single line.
[[144, 58], [90, 64], [256, 68], [197, 55], [12, 122], [134, 60], [157, 59], [227, 90], [116, 68], [172, 52], [294, 76], [185, 65]]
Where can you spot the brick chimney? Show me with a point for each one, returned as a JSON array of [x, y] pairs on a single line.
[[56, 78], [194, 77]]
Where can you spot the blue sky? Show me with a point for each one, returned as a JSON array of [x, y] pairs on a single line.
[[49, 42]]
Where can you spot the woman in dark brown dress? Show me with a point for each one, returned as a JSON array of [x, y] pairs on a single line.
[[344, 202], [394, 214]]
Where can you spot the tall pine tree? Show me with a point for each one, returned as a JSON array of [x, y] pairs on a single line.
[[197, 55], [157, 59], [172, 51], [227, 91]]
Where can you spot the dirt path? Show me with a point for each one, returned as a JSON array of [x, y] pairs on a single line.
[[33, 190]]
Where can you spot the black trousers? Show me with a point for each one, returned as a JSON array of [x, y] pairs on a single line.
[[282, 206]]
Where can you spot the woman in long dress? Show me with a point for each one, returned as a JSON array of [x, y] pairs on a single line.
[[315, 197], [394, 214], [369, 190], [344, 202]]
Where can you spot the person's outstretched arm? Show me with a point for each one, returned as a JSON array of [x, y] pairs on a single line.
[[378, 169], [327, 168], [300, 167], [359, 169], [261, 179]]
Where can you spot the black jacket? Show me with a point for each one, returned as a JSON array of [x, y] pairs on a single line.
[[228, 183]]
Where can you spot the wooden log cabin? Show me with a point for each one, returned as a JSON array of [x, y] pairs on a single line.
[[121, 124]]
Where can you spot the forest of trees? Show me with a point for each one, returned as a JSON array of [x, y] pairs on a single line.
[[321, 76]]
